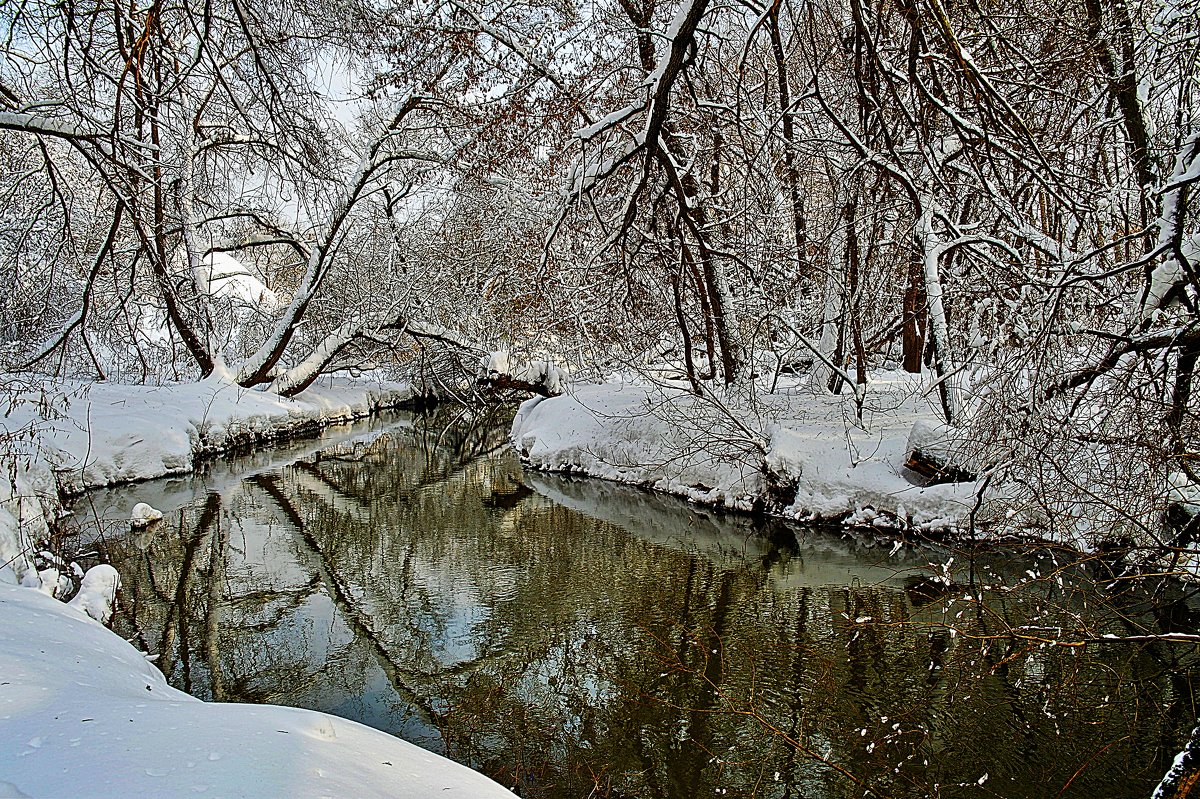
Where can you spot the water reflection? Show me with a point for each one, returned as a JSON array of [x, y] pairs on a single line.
[[576, 638]]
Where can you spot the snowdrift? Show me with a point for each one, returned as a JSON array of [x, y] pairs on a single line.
[[83, 714]]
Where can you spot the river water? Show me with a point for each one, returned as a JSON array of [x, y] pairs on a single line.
[[575, 638]]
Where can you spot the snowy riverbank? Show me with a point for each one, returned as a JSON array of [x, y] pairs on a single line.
[[795, 452], [82, 713], [65, 438], [100, 434]]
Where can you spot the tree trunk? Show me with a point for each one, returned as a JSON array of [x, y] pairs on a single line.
[[790, 176], [1121, 74], [913, 326]]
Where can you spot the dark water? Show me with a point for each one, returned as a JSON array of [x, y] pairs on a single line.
[[574, 638]]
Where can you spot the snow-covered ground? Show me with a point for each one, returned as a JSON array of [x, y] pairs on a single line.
[[82, 713], [800, 453]]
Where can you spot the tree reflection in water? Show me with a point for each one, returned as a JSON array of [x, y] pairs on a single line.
[[575, 638]]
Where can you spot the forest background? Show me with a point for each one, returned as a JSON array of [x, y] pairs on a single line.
[[997, 197]]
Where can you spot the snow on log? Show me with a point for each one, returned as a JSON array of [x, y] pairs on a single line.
[[543, 377], [143, 515], [98, 592], [931, 454], [221, 275], [784, 465], [1184, 774]]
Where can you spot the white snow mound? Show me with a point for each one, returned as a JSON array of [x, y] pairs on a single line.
[[98, 592], [669, 440], [83, 714], [144, 515]]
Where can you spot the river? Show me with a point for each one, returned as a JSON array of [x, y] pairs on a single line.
[[574, 638]]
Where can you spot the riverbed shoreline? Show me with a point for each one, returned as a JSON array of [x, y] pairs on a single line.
[[59, 439], [794, 454]]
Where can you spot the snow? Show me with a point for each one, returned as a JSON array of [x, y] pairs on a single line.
[[108, 434], [82, 713], [98, 593], [703, 449], [1182, 490], [221, 275], [144, 515], [21, 521]]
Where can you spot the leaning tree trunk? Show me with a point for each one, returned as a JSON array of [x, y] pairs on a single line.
[[1181, 781], [930, 249]]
